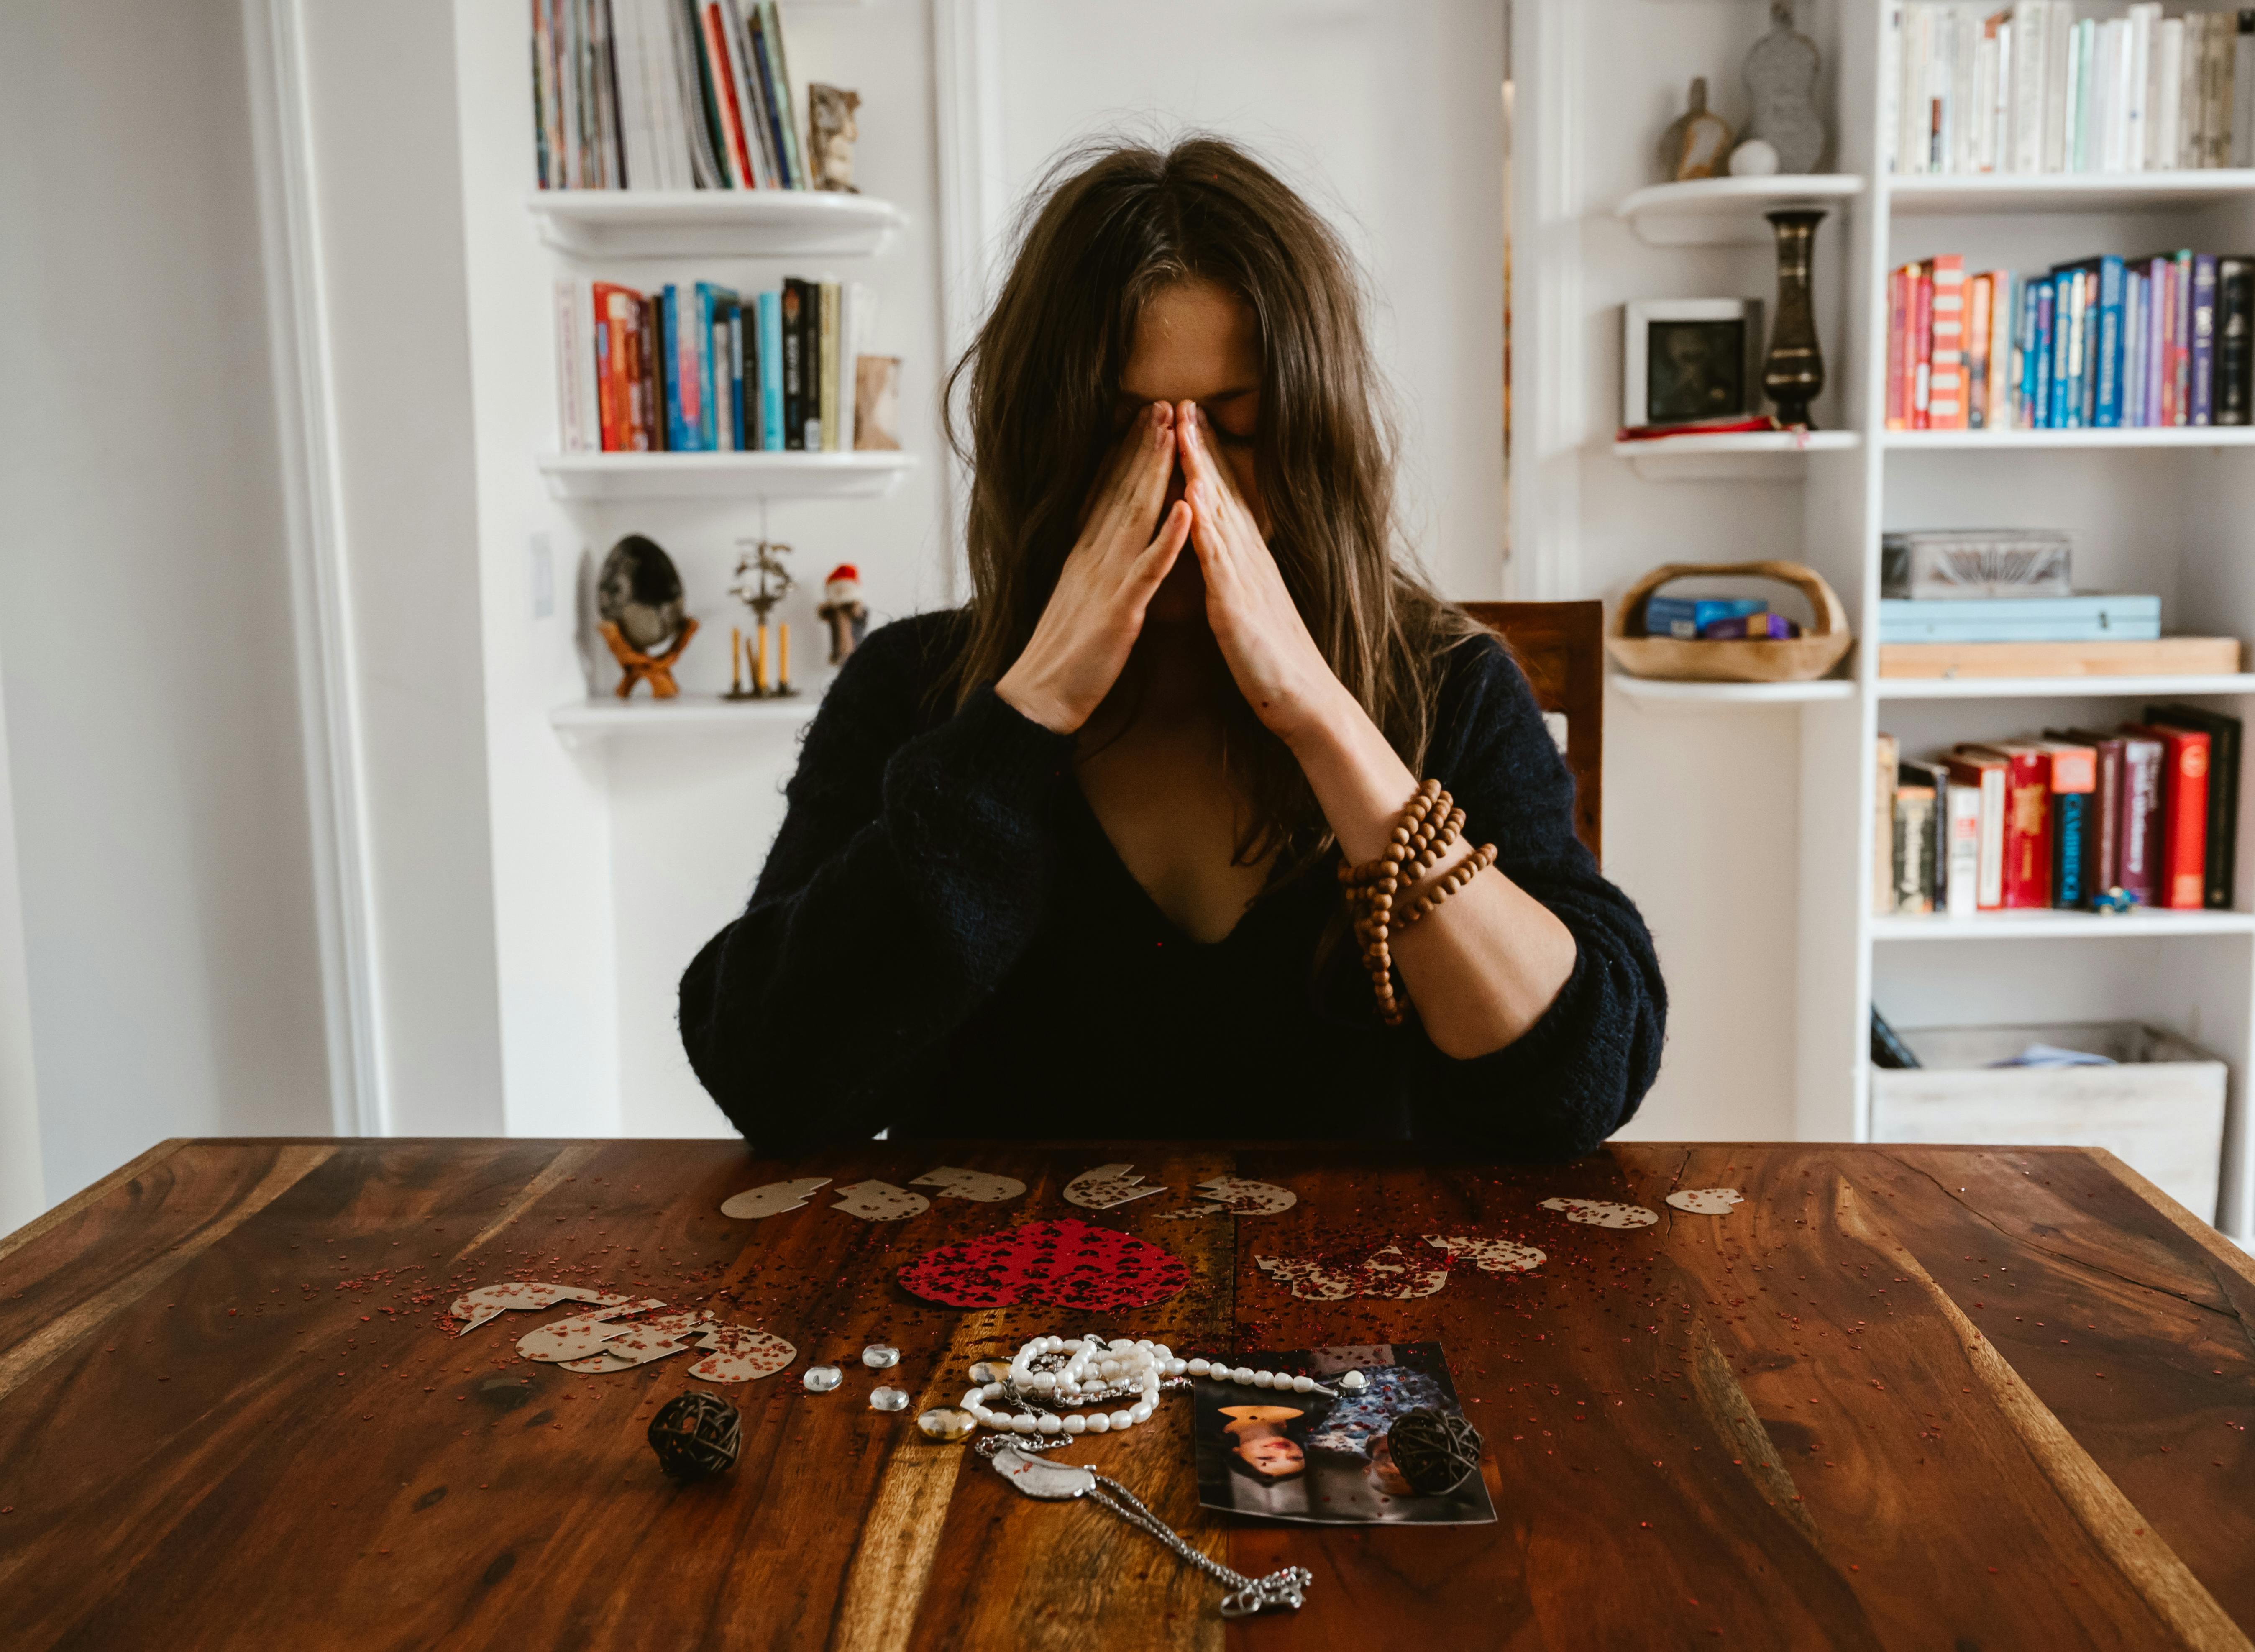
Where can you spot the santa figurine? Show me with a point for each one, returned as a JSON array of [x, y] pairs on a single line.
[[844, 612]]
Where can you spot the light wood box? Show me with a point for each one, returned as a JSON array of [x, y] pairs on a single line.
[[2161, 1110], [2165, 656]]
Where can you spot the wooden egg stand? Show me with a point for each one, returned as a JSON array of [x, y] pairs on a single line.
[[1783, 660], [655, 669]]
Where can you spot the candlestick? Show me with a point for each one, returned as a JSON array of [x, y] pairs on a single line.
[[766, 683], [735, 659], [782, 656]]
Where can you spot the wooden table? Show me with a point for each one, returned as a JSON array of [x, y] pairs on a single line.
[[1906, 1397]]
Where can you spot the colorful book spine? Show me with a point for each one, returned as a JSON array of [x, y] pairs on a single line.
[[2202, 352], [771, 420], [2108, 377], [2181, 340], [653, 368], [829, 376], [1898, 328], [2027, 828], [1983, 774], [1946, 391], [2181, 877], [2073, 785], [746, 433], [2141, 816], [1962, 809], [615, 308], [1980, 325]]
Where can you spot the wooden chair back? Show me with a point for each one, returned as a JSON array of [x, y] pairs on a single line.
[[1561, 646]]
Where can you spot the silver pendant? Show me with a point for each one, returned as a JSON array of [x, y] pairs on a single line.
[[1286, 1587]]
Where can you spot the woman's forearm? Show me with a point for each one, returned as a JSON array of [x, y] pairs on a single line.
[[1485, 964]]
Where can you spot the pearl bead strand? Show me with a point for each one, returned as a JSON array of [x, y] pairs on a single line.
[[1088, 1371]]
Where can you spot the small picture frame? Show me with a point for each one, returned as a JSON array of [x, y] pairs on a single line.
[[1690, 361]]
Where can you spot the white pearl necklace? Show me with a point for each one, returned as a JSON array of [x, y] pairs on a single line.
[[1065, 1371]]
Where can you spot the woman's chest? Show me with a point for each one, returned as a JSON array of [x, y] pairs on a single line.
[[1164, 805]]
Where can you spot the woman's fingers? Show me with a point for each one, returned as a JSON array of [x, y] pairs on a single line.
[[1158, 559]]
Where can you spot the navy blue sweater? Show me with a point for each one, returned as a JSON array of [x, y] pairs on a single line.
[[944, 943]]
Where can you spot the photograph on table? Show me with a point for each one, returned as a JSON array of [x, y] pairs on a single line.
[[1332, 1457]]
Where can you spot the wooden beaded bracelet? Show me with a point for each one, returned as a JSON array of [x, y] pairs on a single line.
[[1427, 828]]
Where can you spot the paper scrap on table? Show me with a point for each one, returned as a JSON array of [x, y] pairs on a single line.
[[1104, 1187], [982, 1186], [582, 1334], [1597, 1213], [1489, 1256], [645, 1340], [1389, 1272], [740, 1354], [880, 1202], [772, 1199], [490, 1302], [1706, 1201], [1242, 1197]]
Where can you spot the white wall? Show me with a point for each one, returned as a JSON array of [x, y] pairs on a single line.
[[385, 172], [145, 621], [22, 1181]]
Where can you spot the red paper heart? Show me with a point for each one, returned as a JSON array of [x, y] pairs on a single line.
[[1066, 1264]]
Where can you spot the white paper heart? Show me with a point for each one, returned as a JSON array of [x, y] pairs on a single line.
[[1489, 1256], [1597, 1213], [880, 1202], [1390, 1273], [1104, 1187], [772, 1199], [740, 1354], [490, 1302], [1242, 1197], [645, 1340], [982, 1186], [1706, 1201], [579, 1336]]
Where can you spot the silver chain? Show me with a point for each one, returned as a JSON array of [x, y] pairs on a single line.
[[1287, 1586]]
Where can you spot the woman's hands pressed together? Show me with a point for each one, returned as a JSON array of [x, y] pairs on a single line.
[[1090, 626]]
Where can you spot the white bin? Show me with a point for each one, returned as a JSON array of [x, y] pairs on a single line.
[[2161, 1109]]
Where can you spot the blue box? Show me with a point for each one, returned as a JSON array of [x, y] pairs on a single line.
[[1685, 617], [2055, 619]]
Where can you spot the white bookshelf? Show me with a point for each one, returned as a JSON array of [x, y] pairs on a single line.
[[2166, 510], [1654, 693], [762, 475], [581, 721], [1707, 212], [714, 224], [1761, 455]]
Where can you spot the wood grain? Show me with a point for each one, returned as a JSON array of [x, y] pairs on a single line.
[[1899, 1397]]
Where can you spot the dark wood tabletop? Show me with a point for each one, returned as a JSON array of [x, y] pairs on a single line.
[[1900, 1397]]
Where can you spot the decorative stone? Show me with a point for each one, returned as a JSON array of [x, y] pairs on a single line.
[[888, 1400], [947, 1422], [639, 591], [1754, 158], [696, 1434], [820, 1379], [987, 1371], [880, 1356]]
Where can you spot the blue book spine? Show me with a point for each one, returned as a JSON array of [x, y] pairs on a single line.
[[2109, 395], [2024, 405], [2086, 347], [677, 430], [739, 429], [2203, 338], [708, 433], [2046, 330], [771, 372], [2069, 812]]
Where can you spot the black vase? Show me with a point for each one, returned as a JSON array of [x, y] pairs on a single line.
[[1793, 374]]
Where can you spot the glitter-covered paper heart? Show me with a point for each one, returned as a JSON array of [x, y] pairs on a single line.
[[1062, 1264]]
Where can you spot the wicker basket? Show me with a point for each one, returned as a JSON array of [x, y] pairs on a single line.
[[1787, 660]]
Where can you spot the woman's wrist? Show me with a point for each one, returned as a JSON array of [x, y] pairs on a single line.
[[1035, 703]]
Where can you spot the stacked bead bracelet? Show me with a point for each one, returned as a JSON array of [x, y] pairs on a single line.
[[1050, 1372], [1399, 881]]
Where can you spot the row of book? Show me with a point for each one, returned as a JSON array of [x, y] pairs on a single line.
[[2144, 815], [2163, 340], [2040, 87], [665, 94], [699, 367]]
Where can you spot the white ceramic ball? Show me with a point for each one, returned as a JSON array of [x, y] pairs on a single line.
[[1754, 158]]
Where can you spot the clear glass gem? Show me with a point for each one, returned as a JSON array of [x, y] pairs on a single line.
[[888, 1399], [820, 1379], [878, 1356], [946, 1423], [989, 1371]]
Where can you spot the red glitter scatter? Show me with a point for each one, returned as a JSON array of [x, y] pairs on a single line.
[[1062, 1264]]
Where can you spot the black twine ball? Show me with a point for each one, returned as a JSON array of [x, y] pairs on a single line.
[[1435, 1451], [696, 1434]]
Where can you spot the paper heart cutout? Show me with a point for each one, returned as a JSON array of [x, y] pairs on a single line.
[[1061, 1264], [1599, 1212], [489, 1302], [1389, 1271], [1706, 1201]]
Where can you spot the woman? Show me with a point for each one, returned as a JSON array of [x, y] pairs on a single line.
[[1260, 1442], [1062, 864]]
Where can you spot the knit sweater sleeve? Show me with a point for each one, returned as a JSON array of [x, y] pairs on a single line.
[[1576, 1076], [912, 867]]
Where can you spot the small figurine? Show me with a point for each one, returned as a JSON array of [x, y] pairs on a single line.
[[638, 597], [763, 581], [1696, 143], [844, 612], [1781, 79], [829, 122]]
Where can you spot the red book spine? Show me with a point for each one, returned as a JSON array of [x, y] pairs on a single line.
[[723, 94], [1945, 397], [1898, 321], [637, 379], [2027, 826], [2181, 881], [1922, 346], [611, 358]]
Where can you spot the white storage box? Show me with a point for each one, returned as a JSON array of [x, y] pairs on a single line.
[[2161, 1109]]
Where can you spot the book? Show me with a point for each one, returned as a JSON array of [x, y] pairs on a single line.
[[579, 418], [1913, 842], [827, 376], [1898, 404], [2242, 90], [719, 74], [642, 410], [781, 97], [2074, 778], [2220, 867], [1886, 756], [1962, 835], [711, 365], [1946, 383], [2124, 617], [1888, 1048], [2026, 848], [2103, 824], [1983, 773], [1979, 297], [771, 406], [2203, 399], [741, 425], [2181, 878], [693, 88], [2235, 331], [1919, 347], [616, 308], [794, 363], [653, 368], [2142, 816], [759, 117]]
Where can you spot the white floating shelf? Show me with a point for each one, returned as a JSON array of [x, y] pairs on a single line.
[[2063, 688], [686, 713], [693, 224], [2052, 924], [1979, 192], [766, 475], [1659, 694], [2154, 436], [1774, 455], [1709, 212]]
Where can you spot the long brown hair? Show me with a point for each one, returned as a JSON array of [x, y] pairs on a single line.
[[1112, 224]]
